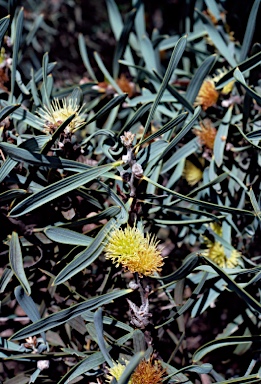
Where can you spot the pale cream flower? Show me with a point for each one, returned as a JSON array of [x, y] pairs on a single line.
[[54, 115]]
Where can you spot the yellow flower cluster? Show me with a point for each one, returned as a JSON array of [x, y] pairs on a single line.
[[216, 251], [192, 173], [145, 373], [208, 95], [134, 251], [206, 134]]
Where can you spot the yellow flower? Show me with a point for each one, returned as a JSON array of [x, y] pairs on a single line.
[[206, 134], [56, 114], [192, 173], [216, 251], [146, 372], [208, 95], [136, 252], [115, 372], [229, 86]]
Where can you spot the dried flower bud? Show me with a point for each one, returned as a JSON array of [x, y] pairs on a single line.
[[137, 170], [43, 364], [133, 285], [127, 139]]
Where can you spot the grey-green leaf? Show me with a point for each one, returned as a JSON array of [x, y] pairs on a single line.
[[224, 342], [132, 364], [100, 339], [86, 257], [250, 29], [63, 316], [28, 305], [220, 139], [58, 189], [4, 22], [16, 262], [66, 236]]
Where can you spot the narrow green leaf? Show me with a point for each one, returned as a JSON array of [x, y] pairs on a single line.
[[65, 315], [106, 73], [248, 64], [84, 366], [217, 39], [174, 60], [11, 194], [242, 380], [108, 107], [5, 278], [250, 29], [220, 139], [38, 76], [85, 57], [16, 262], [28, 306], [17, 40], [254, 134], [199, 369], [182, 133], [116, 22], [86, 257], [170, 125], [107, 213], [58, 189], [148, 53], [4, 23], [246, 137], [180, 310], [6, 168], [123, 41], [176, 94], [136, 117], [201, 203], [66, 236], [47, 146], [46, 94], [255, 204], [198, 78], [26, 116], [239, 77], [191, 147], [189, 264], [6, 111], [131, 366], [139, 343], [37, 22], [250, 300], [100, 339], [89, 317], [223, 342], [123, 216]]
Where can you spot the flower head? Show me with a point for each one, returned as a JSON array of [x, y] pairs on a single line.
[[229, 86], [206, 134], [216, 251], [136, 252], [208, 95], [56, 114], [192, 173], [146, 372]]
